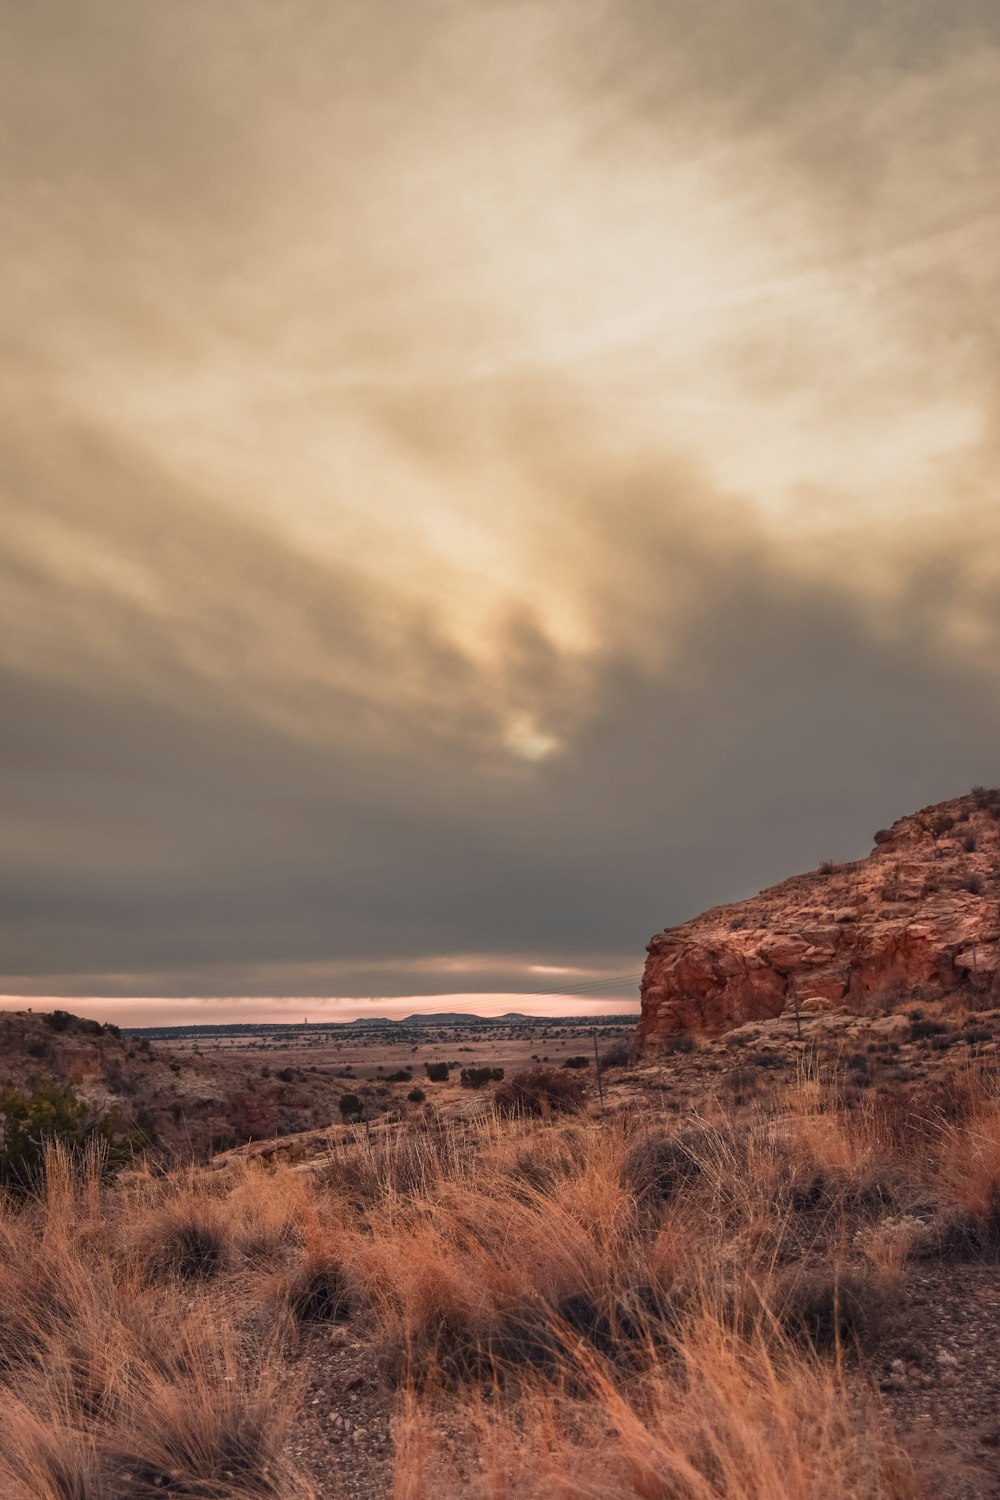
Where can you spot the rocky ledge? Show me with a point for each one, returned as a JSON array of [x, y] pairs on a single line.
[[919, 919]]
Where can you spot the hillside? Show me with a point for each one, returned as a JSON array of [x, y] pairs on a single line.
[[141, 1095], [918, 919]]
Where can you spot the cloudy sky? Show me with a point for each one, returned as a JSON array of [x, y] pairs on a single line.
[[481, 480]]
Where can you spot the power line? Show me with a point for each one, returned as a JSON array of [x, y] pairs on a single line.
[[585, 987]]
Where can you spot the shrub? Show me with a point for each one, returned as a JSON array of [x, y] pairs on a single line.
[[618, 1055], [577, 1062], [830, 1308], [350, 1106], [969, 843], [318, 1293], [536, 1091], [402, 1075], [59, 1020], [33, 1121], [437, 1072], [921, 1027], [476, 1078], [827, 866], [287, 1075], [416, 1096], [972, 883], [189, 1240], [658, 1166]]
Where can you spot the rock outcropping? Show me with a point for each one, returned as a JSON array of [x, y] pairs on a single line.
[[918, 919]]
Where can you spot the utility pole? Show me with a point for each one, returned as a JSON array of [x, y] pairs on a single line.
[[597, 1064]]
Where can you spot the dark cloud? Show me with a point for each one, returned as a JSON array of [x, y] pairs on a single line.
[[481, 482], [167, 831]]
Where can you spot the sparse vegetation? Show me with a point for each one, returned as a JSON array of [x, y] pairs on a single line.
[[590, 1302], [538, 1091]]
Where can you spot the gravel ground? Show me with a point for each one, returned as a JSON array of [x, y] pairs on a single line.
[[938, 1373]]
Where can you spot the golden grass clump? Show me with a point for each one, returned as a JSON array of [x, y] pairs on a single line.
[[638, 1303]]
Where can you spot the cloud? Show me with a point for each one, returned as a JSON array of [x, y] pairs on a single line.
[[481, 479]]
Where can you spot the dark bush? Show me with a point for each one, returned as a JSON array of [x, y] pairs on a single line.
[[529, 1334], [829, 1309], [977, 1034], [968, 1236], [576, 1062], [319, 1294], [814, 1194], [32, 1121], [189, 1244], [629, 1323], [741, 1083], [477, 1078], [618, 1055], [416, 1096], [973, 884], [437, 1072], [403, 1075], [287, 1075], [455, 1346], [921, 1027], [969, 843], [536, 1091], [827, 866], [59, 1020], [659, 1166], [350, 1106]]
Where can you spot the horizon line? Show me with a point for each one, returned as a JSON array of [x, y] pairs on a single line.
[[219, 1010]]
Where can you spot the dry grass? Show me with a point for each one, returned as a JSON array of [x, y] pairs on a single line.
[[630, 1305]]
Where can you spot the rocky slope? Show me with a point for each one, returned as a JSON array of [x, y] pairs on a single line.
[[178, 1105], [918, 919]]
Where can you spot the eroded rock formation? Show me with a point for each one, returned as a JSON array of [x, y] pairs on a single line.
[[918, 919]]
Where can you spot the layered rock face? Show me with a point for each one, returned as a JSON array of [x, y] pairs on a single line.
[[918, 919]]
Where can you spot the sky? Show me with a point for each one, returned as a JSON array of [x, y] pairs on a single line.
[[481, 481]]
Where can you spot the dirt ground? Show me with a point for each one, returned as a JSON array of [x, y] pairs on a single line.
[[937, 1376], [935, 1369], [369, 1055]]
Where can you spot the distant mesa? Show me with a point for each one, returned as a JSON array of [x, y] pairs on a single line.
[[466, 1018], [918, 919], [444, 1018]]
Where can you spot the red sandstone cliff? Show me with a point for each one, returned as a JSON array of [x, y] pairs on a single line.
[[919, 918]]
